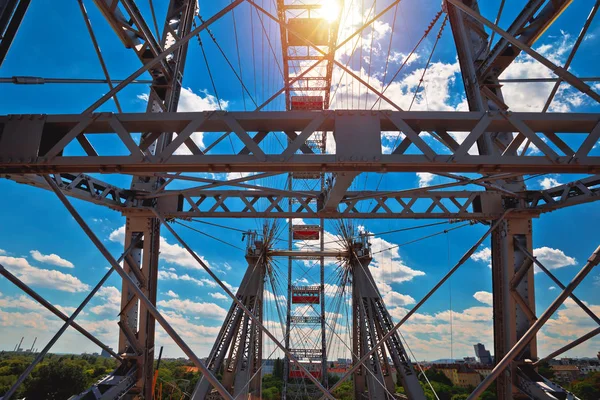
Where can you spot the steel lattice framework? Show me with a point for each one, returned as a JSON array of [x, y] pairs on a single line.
[[489, 144]]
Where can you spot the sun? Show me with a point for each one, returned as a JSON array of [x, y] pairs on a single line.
[[330, 10]]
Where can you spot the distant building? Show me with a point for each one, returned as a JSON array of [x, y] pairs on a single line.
[[482, 354], [105, 353], [483, 370], [587, 369], [565, 373], [268, 366], [461, 375]]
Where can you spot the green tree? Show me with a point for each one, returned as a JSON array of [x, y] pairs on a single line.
[[271, 394], [345, 391], [332, 379], [588, 387], [460, 396], [56, 380], [545, 371]]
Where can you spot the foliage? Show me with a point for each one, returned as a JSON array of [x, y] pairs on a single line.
[[545, 371], [332, 379], [272, 385], [56, 376], [345, 391], [435, 375], [587, 387], [271, 393], [56, 380]]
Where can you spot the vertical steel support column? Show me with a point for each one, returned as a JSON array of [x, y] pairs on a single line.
[[323, 332], [511, 320], [137, 324], [288, 318]]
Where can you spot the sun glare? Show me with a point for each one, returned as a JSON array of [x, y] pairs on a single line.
[[330, 10]]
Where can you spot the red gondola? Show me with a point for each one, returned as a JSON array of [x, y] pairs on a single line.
[[313, 368], [305, 295], [307, 103]]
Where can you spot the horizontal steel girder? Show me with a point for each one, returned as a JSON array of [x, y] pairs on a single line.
[[464, 204], [236, 203], [299, 254], [43, 143]]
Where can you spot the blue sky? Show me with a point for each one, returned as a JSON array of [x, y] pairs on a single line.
[[41, 241]]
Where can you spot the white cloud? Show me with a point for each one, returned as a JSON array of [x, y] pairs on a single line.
[[173, 275], [169, 253], [269, 296], [209, 310], [387, 266], [51, 259], [550, 258], [548, 183], [111, 298], [172, 294], [425, 178], [175, 254], [47, 278], [553, 258], [531, 97], [484, 255], [20, 302], [484, 297], [552, 288], [2, 252], [190, 101], [118, 235], [218, 296], [397, 299]]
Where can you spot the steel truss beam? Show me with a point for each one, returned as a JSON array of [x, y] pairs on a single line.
[[262, 203], [436, 205], [47, 138]]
